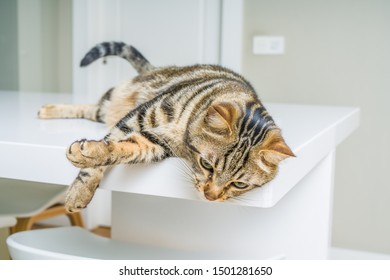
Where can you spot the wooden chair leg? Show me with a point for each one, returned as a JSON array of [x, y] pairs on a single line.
[[22, 224], [75, 219], [59, 209]]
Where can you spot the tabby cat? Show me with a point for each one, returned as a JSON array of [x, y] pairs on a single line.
[[205, 114]]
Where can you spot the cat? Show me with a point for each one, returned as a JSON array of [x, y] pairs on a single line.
[[206, 114]]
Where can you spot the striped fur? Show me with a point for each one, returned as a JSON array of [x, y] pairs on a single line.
[[206, 114], [131, 54]]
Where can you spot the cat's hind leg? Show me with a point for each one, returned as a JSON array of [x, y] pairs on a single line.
[[93, 112], [69, 111]]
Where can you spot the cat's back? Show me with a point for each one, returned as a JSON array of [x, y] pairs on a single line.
[[173, 87], [160, 78]]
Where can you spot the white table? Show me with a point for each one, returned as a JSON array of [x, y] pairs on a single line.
[[288, 218]]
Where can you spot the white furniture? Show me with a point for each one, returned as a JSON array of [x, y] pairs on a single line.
[[288, 218], [7, 221], [30, 202], [74, 243], [28, 199]]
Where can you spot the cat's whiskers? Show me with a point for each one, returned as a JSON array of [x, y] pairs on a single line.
[[239, 199], [242, 200], [189, 169], [184, 172]]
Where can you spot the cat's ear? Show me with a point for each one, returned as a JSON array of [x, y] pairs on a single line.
[[274, 149], [222, 117]]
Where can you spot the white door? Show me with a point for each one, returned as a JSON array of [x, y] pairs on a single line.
[[169, 32]]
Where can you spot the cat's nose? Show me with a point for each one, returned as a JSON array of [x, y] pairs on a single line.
[[210, 196]]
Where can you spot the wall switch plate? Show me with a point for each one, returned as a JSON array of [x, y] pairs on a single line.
[[268, 45]]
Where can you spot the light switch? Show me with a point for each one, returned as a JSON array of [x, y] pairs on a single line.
[[268, 45]]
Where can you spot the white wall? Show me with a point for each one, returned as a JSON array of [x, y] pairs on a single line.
[[170, 32], [8, 39], [44, 45], [337, 53]]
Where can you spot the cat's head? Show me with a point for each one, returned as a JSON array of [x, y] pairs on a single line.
[[234, 147]]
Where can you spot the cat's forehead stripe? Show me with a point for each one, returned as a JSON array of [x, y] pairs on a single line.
[[254, 126]]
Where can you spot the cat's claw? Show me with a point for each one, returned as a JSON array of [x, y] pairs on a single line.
[[82, 154], [75, 156]]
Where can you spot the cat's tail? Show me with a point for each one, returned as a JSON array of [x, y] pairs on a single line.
[[131, 54]]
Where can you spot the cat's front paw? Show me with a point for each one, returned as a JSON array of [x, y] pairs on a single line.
[[81, 191], [87, 153], [77, 198], [74, 154]]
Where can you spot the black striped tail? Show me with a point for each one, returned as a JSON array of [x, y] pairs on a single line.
[[131, 54]]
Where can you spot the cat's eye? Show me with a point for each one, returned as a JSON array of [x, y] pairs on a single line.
[[239, 185], [206, 165]]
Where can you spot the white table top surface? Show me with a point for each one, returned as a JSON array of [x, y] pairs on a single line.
[[34, 149]]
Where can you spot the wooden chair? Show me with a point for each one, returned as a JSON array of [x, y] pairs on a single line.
[[30, 202]]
